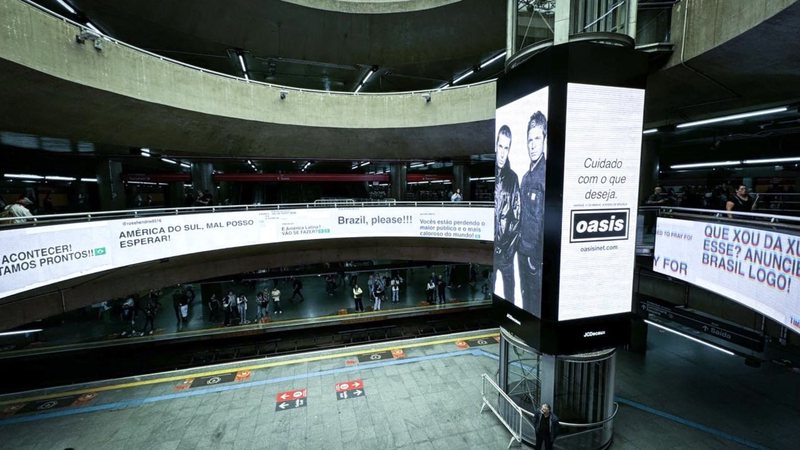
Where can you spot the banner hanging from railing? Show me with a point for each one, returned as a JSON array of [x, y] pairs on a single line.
[[757, 268], [37, 256]]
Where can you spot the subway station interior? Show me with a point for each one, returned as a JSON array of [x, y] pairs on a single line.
[[417, 224]]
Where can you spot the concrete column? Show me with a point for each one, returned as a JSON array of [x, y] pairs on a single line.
[[201, 177], [648, 173], [175, 195], [633, 6], [511, 29], [398, 181], [561, 22], [461, 178], [109, 182]]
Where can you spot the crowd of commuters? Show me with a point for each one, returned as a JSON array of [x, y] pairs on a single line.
[[729, 197], [241, 304]]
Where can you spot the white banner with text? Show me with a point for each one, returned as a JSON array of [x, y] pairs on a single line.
[[37, 256], [757, 268]]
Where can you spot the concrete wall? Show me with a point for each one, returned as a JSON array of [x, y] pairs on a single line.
[[34, 39], [710, 23]]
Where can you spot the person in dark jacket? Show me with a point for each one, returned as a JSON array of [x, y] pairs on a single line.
[[506, 213], [546, 425], [531, 240]]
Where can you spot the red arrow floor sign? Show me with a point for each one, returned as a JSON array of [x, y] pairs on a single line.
[[291, 395], [349, 385]]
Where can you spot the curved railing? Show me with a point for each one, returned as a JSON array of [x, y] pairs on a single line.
[[57, 219]]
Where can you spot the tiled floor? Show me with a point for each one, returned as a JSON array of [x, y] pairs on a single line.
[[680, 395]]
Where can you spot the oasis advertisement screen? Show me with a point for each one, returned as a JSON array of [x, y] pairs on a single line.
[[602, 153], [757, 268], [521, 157], [37, 256]]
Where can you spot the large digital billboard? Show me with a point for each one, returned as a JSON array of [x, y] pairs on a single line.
[[521, 155], [757, 268], [36, 256], [602, 153]]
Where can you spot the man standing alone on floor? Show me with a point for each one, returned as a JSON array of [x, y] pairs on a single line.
[[546, 425], [357, 293], [297, 285]]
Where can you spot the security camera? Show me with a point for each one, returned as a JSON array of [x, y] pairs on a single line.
[[284, 94], [427, 97], [88, 34]]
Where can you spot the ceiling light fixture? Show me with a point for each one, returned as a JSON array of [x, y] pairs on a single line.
[[58, 178], [89, 180], [186, 165], [168, 161], [23, 176], [12, 333], [244, 67], [727, 352], [650, 131], [708, 164], [365, 163], [372, 70], [146, 152], [491, 60], [770, 160], [66, 6], [733, 117]]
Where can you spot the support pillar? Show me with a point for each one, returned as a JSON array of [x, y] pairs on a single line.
[[109, 182], [398, 181], [201, 177], [461, 179]]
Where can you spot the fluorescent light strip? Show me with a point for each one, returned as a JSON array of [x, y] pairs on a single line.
[[23, 176], [66, 6], [770, 160], [168, 161], [186, 165], [464, 75], [650, 131], [12, 333], [89, 180], [733, 117], [486, 63], [708, 164], [91, 25], [727, 352], [58, 178], [244, 67], [365, 163], [369, 74]]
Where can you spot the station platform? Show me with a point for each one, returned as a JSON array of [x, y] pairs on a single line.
[[421, 394]]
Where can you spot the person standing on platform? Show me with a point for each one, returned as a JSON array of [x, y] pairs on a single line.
[[297, 287], [262, 305], [150, 310], [357, 293], [529, 250], [456, 197], [226, 308], [241, 303], [378, 296], [506, 213], [430, 290], [213, 308], [276, 299], [441, 288], [546, 425], [395, 284], [740, 201]]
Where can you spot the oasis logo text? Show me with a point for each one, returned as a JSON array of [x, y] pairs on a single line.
[[599, 225]]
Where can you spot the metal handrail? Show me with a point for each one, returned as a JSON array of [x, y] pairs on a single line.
[[53, 219], [233, 77]]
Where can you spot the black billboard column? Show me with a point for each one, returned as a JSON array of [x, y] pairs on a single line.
[[568, 144]]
